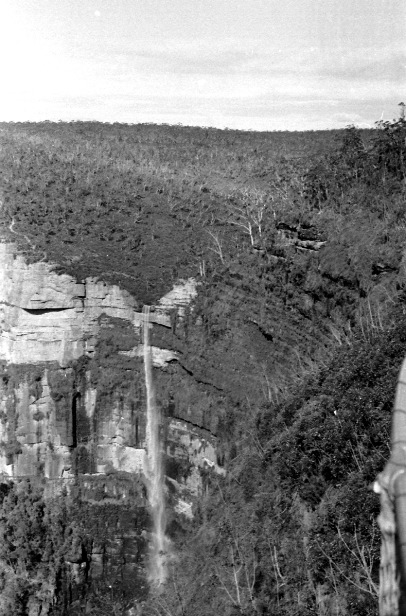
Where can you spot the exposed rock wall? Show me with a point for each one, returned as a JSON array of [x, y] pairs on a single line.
[[50, 321], [46, 316], [72, 413]]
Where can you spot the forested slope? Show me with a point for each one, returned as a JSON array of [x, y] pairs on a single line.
[[131, 203], [292, 530]]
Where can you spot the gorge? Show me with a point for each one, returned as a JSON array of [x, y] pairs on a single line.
[[233, 302]]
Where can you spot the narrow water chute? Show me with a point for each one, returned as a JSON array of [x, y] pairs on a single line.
[[160, 544]]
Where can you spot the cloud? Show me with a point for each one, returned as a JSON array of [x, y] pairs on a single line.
[[252, 57], [387, 63], [248, 70]]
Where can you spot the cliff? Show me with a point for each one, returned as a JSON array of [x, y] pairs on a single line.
[[72, 406]]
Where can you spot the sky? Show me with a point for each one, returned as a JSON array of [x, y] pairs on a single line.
[[245, 64]]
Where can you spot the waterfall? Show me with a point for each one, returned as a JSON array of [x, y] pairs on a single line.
[[160, 544]]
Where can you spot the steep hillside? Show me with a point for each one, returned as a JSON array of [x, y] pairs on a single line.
[[131, 203], [287, 358]]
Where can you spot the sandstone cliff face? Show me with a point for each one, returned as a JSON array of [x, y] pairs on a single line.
[[46, 316], [49, 321], [72, 410]]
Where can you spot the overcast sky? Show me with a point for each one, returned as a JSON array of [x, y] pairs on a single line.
[[249, 64]]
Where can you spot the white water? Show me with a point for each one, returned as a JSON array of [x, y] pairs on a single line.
[[160, 544]]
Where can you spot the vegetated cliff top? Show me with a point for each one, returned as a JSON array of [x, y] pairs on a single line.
[[130, 203]]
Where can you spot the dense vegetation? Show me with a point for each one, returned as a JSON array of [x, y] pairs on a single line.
[[292, 530], [131, 203], [297, 240]]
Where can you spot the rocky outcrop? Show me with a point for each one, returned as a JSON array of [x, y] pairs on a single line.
[[195, 448], [301, 236]]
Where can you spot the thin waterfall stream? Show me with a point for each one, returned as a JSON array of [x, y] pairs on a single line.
[[160, 543]]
